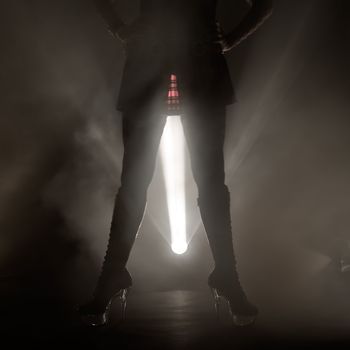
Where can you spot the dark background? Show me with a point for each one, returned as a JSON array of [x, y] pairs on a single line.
[[287, 160]]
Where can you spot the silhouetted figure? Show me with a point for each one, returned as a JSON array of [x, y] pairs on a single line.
[[174, 38]]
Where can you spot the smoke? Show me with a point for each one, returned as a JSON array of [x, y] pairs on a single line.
[[61, 145], [287, 166], [287, 147]]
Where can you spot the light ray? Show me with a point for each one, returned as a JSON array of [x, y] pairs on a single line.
[[172, 152]]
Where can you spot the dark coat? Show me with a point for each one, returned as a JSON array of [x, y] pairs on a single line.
[[180, 41]]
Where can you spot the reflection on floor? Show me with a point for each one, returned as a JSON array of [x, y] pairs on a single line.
[[172, 320]]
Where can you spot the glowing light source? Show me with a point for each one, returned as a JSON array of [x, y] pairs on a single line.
[[179, 247], [172, 152]]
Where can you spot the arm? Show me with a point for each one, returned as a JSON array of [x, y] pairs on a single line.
[[259, 12], [110, 16], [114, 23]]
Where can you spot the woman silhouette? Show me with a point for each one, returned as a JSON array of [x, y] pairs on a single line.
[[179, 39]]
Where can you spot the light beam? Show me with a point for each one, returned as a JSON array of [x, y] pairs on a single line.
[[172, 152]]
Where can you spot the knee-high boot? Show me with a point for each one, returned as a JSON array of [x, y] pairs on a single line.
[[215, 212], [214, 206], [126, 220], [127, 217]]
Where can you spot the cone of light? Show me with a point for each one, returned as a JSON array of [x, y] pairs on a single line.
[[172, 151]]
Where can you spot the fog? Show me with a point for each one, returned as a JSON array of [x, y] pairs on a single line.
[[287, 162]]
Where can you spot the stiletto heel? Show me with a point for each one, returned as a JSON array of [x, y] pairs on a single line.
[[238, 319], [123, 297], [96, 314], [216, 302]]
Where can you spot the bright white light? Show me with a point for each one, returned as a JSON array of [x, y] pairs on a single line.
[[179, 248], [172, 151]]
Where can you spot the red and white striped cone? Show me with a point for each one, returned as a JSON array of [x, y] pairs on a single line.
[[173, 101]]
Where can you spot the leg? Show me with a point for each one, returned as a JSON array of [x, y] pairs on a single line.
[[205, 133], [141, 137]]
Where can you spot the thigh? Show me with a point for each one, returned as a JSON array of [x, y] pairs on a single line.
[[141, 137], [204, 129]]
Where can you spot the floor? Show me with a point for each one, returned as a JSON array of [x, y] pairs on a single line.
[[157, 320], [184, 319]]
